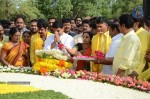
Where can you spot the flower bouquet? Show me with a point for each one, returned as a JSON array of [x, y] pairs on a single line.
[[99, 54], [51, 60]]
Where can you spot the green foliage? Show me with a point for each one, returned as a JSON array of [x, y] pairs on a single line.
[[66, 8], [35, 95], [124, 6], [7, 7], [26, 8], [29, 10]]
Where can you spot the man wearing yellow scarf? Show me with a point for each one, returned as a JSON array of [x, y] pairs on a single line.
[[144, 37], [100, 41], [38, 40], [145, 43]]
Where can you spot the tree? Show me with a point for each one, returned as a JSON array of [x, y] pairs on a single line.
[[124, 6], [55, 8], [28, 9], [83, 8], [7, 8]]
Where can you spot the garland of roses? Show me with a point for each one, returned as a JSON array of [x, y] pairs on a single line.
[[127, 82]]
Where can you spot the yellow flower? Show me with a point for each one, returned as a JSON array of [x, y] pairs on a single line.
[[5, 88], [51, 65]]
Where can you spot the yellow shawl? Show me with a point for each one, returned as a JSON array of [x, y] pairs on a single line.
[[100, 42]]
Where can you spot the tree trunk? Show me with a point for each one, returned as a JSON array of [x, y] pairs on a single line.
[[146, 8]]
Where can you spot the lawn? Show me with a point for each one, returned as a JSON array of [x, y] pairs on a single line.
[[35, 95]]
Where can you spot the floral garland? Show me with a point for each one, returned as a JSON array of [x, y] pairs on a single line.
[[48, 65], [99, 77], [51, 60], [14, 69], [51, 54], [86, 75]]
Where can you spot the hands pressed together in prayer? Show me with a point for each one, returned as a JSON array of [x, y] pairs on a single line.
[[56, 39]]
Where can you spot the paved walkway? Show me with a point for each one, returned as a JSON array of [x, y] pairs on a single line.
[[76, 89]]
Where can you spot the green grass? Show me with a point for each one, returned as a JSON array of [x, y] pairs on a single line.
[[2, 82], [35, 95]]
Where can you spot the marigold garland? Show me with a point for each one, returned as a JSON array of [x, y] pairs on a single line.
[[48, 65]]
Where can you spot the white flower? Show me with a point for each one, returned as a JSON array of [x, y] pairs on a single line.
[[39, 52], [60, 57], [1, 67], [66, 75], [48, 52]]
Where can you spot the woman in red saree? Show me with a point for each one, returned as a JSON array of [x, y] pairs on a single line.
[[15, 51], [83, 49]]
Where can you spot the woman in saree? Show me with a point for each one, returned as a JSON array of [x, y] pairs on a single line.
[[15, 51], [83, 49], [26, 37]]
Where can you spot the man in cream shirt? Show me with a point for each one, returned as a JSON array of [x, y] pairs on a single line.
[[128, 54]]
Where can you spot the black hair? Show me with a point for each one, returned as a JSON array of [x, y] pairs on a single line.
[[72, 19], [86, 21], [42, 23], [66, 20], [5, 23], [93, 19], [13, 31], [57, 24], [20, 16], [90, 34], [80, 25], [101, 20], [28, 32], [78, 17], [140, 20], [93, 25], [113, 26], [127, 20], [33, 20]]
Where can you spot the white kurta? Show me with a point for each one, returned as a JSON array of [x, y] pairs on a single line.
[[107, 69], [66, 39]]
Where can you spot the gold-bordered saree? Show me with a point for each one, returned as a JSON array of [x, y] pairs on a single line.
[[15, 54]]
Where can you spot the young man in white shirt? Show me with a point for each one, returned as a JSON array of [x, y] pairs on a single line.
[[116, 39], [59, 37]]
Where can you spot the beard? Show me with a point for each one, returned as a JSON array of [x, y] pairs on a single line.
[[34, 31]]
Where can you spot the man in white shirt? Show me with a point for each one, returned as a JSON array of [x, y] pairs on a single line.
[[59, 37], [86, 27], [116, 39]]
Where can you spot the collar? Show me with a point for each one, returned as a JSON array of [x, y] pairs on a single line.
[[128, 34], [117, 36], [139, 30], [105, 33]]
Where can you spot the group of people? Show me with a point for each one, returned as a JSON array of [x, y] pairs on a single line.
[[125, 43]]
